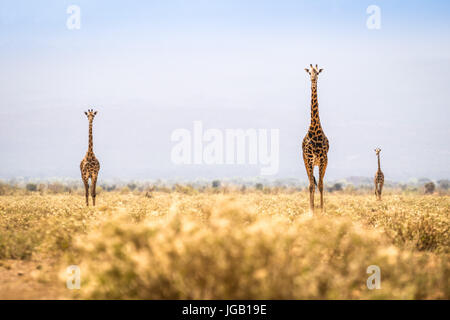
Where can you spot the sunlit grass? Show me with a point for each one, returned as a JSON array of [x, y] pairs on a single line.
[[252, 245]]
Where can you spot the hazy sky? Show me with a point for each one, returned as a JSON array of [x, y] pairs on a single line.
[[151, 67]]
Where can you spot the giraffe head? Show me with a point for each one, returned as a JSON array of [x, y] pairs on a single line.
[[377, 151], [90, 114], [313, 72]]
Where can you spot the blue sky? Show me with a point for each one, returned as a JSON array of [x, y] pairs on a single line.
[[151, 67]]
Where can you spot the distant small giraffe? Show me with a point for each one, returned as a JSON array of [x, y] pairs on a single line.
[[90, 166], [315, 144], [379, 177]]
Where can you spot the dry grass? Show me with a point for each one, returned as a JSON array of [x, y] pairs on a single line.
[[234, 246]]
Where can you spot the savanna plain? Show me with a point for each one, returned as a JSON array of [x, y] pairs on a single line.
[[223, 244]]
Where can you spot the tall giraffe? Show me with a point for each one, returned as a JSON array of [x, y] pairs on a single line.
[[315, 144], [379, 177], [90, 166]]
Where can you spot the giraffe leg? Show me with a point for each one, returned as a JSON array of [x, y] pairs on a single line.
[[310, 173], [93, 186], [376, 188], [86, 188], [380, 190], [322, 169]]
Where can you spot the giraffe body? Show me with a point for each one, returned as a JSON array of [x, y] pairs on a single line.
[[315, 144], [90, 166], [379, 177]]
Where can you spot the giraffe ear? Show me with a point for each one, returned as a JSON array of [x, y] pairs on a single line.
[[307, 71], [320, 70], [95, 113], [85, 113]]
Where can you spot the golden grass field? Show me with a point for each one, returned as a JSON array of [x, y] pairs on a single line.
[[213, 245]]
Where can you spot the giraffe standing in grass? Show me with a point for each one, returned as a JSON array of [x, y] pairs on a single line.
[[379, 177], [315, 144], [89, 165]]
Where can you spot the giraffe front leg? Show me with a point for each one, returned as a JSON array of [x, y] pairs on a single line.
[[376, 189], [380, 190], [93, 187], [86, 189], [322, 169], [312, 187]]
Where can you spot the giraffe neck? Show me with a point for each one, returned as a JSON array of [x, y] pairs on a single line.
[[379, 167], [315, 120], [91, 144]]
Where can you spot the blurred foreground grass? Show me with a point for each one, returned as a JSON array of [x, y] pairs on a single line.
[[235, 246]]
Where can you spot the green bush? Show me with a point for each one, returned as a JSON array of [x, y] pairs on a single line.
[[31, 187]]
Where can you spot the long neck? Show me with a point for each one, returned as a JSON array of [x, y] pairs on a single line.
[[379, 167], [91, 144], [315, 120]]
